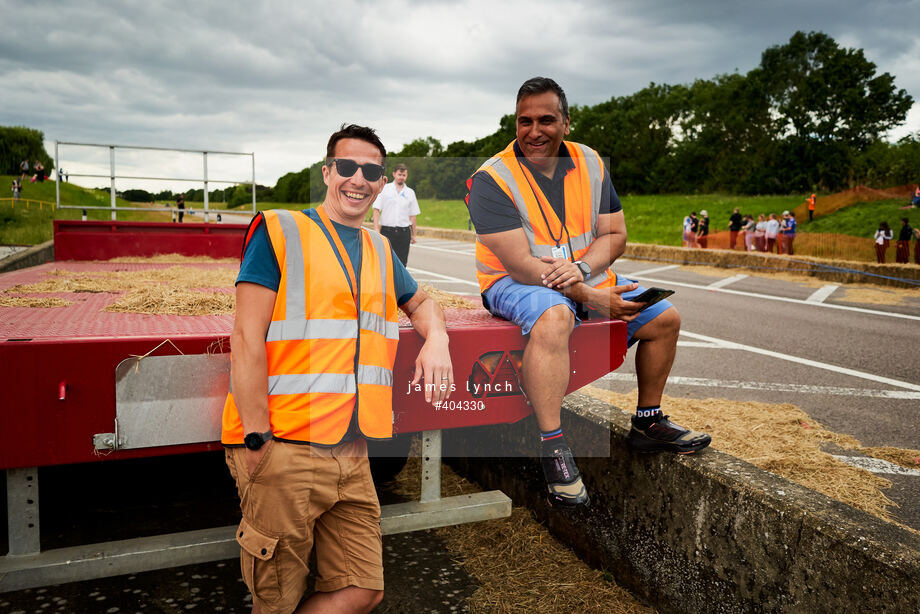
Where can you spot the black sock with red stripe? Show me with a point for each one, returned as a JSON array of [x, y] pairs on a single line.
[[647, 416], [551, 439]]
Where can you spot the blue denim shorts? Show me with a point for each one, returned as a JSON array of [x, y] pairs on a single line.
[[524, 304]]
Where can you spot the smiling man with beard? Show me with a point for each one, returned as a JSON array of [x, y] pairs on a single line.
[[549, 226]]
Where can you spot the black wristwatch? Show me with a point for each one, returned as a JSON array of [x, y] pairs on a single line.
[[584, 267], [254, 441]]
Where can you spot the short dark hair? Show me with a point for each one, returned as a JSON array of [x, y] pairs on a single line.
[[401, 167], [541, 85], [354, 131]]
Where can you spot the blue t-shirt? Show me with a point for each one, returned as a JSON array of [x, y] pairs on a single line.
[[791, 225], [260, 267]]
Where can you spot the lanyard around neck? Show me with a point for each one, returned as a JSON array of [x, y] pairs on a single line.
[[534, 191], [340, 250]]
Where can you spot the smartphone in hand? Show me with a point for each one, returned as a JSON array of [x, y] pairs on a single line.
[[652, 296]]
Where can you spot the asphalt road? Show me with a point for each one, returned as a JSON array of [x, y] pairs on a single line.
[[853, 367]]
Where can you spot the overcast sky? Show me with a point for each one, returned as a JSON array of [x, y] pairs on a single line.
[[276, 78]]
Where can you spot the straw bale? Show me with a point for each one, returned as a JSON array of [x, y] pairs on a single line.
[[518, 564], [448, 299], [850, 270], [779, 438], [801, 278], [167, 300], [28, 301]]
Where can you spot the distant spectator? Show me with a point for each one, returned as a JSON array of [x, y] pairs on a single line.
[[180, 205], [17, 188], [883, 237], [39, 171], [702, 235], [917, 245], [62, 175], [811, 207], [789, 229], [694, 228], [771, 230], [749, 227], [915, 201], [688, 233], [760, 230], [23, 169], [735, 222], [902, 251]]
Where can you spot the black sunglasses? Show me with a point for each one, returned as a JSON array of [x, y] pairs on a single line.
[[347, 168]]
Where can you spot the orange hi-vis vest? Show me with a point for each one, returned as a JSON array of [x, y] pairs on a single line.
[[327, 357], [582, 188]]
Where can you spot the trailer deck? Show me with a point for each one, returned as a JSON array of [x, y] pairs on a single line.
[[85, 385]]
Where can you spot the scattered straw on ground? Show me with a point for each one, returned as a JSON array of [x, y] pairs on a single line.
[[159, 258], [783, 440], [448, 299], [167, 300], [879, 296], [25, 301], [518, 564], [899, 456]]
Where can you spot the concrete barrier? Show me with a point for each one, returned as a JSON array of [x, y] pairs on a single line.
[[702, 533], [35, 255]]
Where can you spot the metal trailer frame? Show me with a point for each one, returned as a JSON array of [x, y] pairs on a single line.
[[112, 176]]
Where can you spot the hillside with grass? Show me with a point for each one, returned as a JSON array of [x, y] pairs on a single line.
[[29, 221]]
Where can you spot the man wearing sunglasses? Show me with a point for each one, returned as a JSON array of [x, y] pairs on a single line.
[[394, 213], [549, 226], [314, 341]]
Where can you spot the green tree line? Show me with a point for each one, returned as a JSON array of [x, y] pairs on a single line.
[[18, 143], [811, 116]]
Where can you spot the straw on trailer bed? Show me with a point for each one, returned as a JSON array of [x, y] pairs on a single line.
[[30, 301]]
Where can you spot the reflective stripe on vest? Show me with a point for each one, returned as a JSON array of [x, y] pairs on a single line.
[[314, 381], [583, 187]]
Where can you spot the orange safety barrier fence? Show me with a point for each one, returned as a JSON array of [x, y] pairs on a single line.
[[816, 244], [859, 194], [28, 203]]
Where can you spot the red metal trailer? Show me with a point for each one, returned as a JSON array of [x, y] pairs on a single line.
[[83, 385]]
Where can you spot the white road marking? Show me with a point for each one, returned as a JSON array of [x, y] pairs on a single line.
[[728, 280], [697, 344], [413, 270], [445, 250], [731, 345], [877, 465], [775, 387], [773, 298], [649, 271], [821, 294]]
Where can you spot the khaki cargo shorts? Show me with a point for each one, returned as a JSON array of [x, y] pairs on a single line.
[[298, 497]]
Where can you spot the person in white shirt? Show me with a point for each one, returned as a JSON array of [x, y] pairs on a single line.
[[771, 229], [394, 213], [760, 241]]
